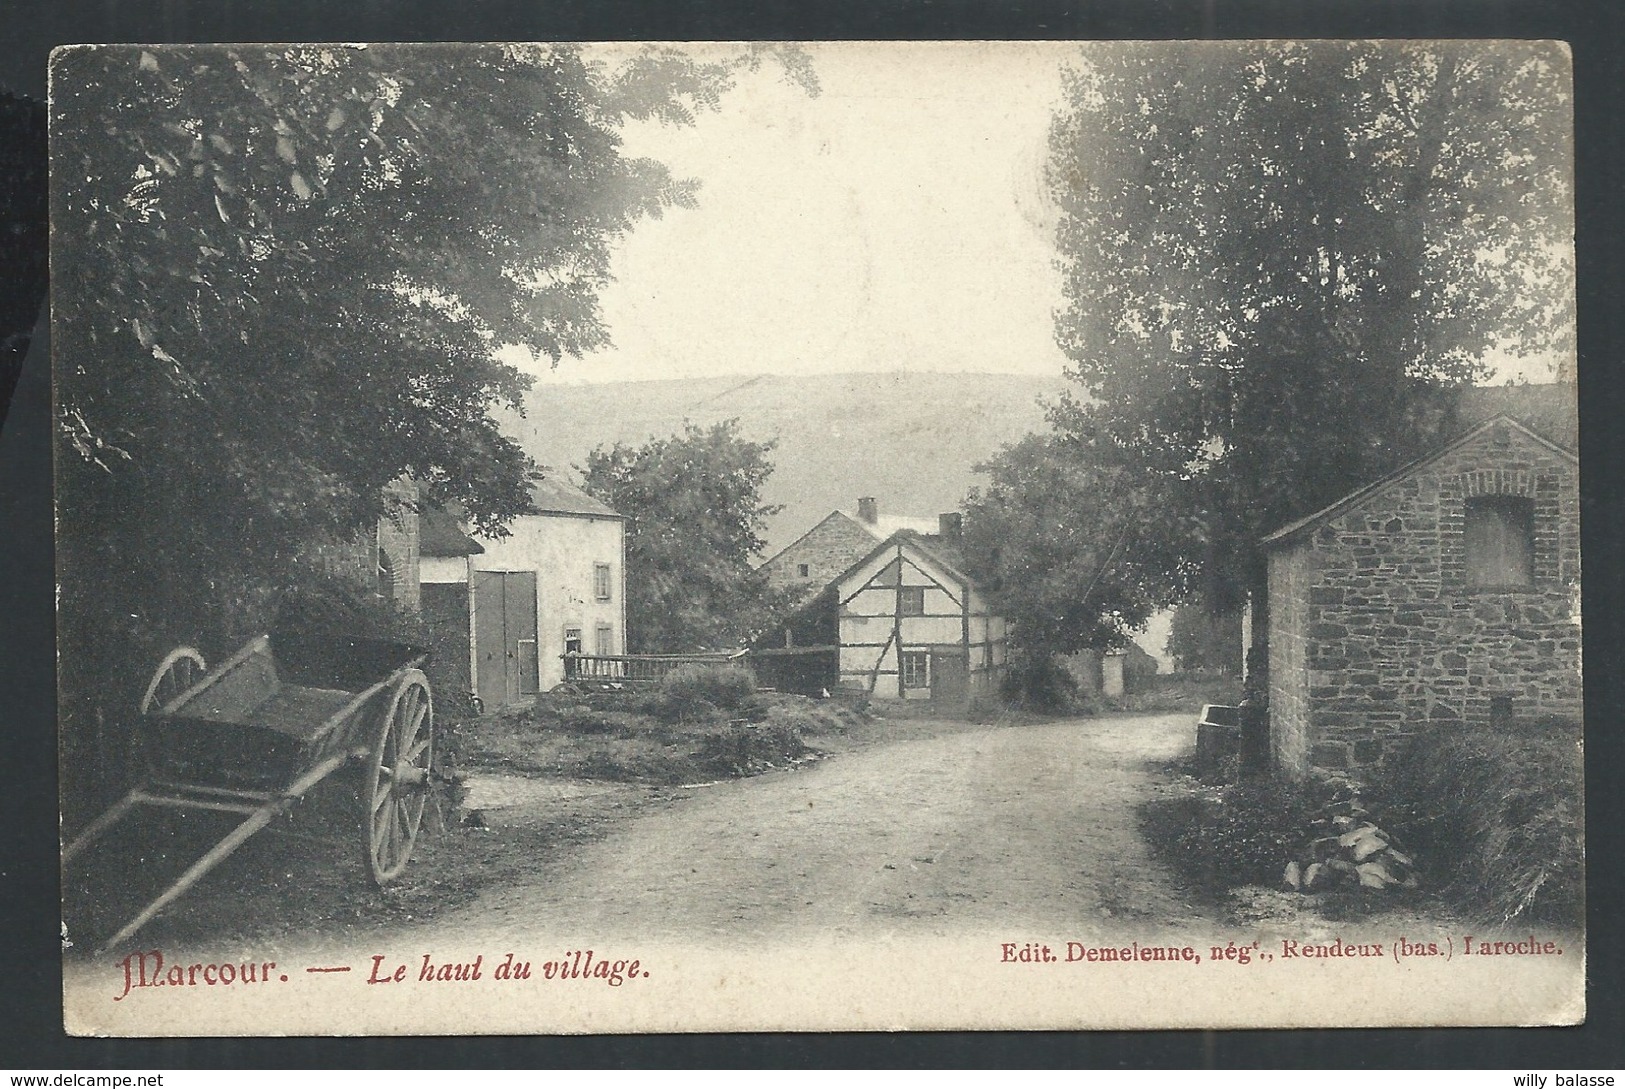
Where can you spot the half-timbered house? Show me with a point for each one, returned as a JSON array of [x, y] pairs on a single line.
[[899, 620]]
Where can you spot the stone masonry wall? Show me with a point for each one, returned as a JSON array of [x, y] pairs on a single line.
[[1395, 639], [1289, 648], [828, 549]]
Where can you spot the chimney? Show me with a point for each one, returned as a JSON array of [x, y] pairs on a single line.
[[868, 510], [949, 525]]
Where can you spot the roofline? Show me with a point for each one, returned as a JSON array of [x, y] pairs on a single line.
[[936, 556], [612, 516], [1360, 495], [898, 538], [479, 548], [809, 533]]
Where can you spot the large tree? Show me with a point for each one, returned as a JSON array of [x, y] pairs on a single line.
[[1277, 256], [281, 275], [697, 520], [1073, 554], [1200, 640]]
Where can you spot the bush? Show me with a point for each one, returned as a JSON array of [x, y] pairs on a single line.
[[1495, 816], [747, 748], [1242, 834], [821, 717], [1040, 683], [698, 691]]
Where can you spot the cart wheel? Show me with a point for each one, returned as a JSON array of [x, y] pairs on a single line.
[[180, 670], [395, 785]]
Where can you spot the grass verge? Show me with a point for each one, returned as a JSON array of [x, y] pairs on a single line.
[[700, 724], [1496, 817]]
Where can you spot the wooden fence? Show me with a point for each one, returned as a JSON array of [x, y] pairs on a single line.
[[618, 669]]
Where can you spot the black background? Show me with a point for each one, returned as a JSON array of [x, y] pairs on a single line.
[[30, 971]]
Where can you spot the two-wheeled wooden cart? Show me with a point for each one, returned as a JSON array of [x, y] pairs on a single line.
[[253, 735]]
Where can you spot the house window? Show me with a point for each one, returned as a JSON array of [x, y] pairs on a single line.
[[1499, 540], [911, 601], [572, 640], [916, 669], [600, 581], [606, 640], [801, 571]]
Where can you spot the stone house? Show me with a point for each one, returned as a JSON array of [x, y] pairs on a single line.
[[827, 549], [1445, 592], [887, 611], [509, 609]]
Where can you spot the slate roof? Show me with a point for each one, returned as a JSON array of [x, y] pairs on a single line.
[[934, 547], [440, 533], [883, 527], [554, 496], [946, 552]]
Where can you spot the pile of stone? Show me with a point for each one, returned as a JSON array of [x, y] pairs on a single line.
[[1348, 850]]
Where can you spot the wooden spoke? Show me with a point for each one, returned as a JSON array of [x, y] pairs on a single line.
[[181, 669], [396, 784]]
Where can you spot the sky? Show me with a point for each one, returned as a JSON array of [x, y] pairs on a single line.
[[896, 221]]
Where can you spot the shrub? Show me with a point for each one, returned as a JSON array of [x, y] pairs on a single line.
[[809, 717], [1254, 831], [1040, 683], [746, 748], [697, 690], [1495, 816], [1222, 838]]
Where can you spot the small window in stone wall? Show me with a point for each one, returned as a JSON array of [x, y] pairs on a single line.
[[1499, 541], [801, 570]]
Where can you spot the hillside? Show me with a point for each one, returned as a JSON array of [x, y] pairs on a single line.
[[910, 440]]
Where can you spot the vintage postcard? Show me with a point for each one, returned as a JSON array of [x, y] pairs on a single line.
[[703, 537]]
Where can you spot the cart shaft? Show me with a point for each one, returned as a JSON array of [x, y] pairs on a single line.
[[258, 818]]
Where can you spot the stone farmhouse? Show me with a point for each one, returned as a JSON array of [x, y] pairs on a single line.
[[506, 611], [1446, 592], [886, 610]]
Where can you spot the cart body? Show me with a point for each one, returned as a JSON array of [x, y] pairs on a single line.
[[281, 704], [257, 732]]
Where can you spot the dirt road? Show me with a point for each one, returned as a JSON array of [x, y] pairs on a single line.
[[1014, 826]]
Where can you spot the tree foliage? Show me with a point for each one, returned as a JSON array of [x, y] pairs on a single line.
[[697, 519], [281, 275], [1073, 554], [1199, 640], [1278, 256]]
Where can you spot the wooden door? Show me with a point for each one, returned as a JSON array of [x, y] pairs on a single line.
[[520, 615], [950, 676], [505, 650]]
